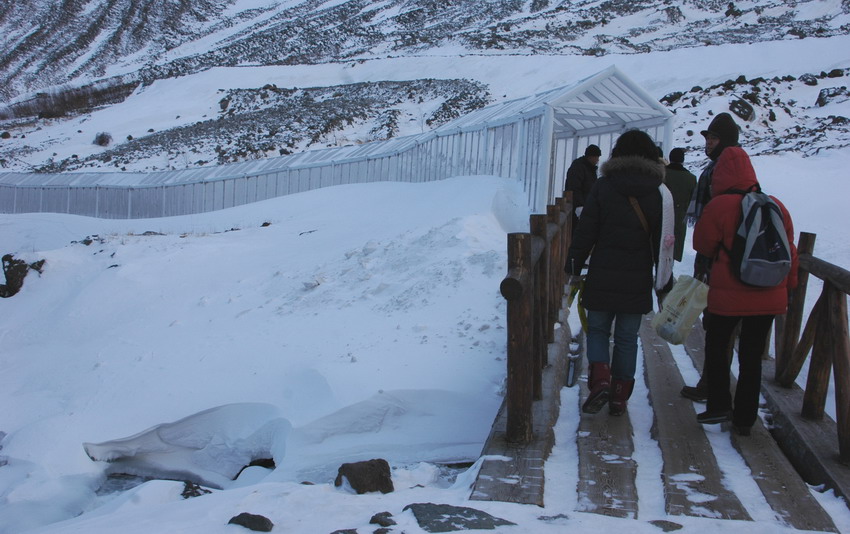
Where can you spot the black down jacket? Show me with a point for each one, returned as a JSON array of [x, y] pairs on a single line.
[[620, 273]]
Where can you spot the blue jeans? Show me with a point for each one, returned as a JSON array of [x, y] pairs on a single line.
[[626, 325]]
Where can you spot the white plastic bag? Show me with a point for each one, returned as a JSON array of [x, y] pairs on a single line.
[[682, 307]]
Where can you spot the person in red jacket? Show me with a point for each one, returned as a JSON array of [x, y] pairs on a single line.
[[731, 302]]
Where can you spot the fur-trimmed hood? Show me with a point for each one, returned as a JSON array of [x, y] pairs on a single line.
[[633, 175]]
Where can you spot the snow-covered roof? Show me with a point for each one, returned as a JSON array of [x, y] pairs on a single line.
[[605, 102]]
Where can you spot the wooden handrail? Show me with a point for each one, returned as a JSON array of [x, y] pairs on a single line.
[[533, 288], [825, 335], [835, 275]]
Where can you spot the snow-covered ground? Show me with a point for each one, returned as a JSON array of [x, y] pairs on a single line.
[[363, 322]]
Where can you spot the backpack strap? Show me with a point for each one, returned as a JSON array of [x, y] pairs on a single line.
[[641, 216]]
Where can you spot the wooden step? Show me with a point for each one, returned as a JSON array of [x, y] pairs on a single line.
[[606, 469], [514, 473], [782, 486], [692, 479]]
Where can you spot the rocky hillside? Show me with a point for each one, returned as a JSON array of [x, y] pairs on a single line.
[[61, 60], [47, 43], [805, 114], [273, 121]]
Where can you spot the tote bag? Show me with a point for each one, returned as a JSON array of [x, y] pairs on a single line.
[[681, 309]]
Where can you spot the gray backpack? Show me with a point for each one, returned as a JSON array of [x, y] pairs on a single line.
[[761, 254]]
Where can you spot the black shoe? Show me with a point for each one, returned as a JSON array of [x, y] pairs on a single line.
[[742, 430], [695, 393], [712, 418]]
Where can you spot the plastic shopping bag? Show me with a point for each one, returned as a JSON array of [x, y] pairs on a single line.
[[682, 307]]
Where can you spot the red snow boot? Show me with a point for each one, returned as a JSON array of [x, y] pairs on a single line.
[[621, 390], [599, 384]]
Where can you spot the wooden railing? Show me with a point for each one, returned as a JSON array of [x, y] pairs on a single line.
[[825, 335], [534, 289]]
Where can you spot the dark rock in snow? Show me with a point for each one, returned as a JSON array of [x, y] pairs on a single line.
[[832, 94], [447, 518], [666, 526], [190, 489], [15, 271], [252, 522], [366, 477], [809, 79], [383, 519]]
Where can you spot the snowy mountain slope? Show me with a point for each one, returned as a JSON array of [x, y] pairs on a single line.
[[144, 40], [191, 120], [47, 42], [101, 53]]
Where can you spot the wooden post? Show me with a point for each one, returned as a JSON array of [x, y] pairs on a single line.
[[517, 290], [556, 267], [566, 207], [790, 325], [568, 225], [820, 365], [541, 302], [837, 311], [799, 352]]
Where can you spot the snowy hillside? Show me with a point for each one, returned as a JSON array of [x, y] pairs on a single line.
[[315, 74], [154, 39]]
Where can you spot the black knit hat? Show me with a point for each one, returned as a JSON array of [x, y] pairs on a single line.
[[677, 155], [723, 126], [635, 143], [592, 150]]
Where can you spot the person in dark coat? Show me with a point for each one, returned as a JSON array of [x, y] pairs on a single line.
[[731, 302], [721, 134], [619, 282], [681, 183], [580, 179]]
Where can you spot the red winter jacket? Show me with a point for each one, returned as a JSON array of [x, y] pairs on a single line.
[[719, 221]]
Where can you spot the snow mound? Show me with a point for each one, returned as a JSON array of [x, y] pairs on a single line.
[[209, 448]]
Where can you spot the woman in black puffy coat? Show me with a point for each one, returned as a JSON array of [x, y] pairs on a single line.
[[618, 288]]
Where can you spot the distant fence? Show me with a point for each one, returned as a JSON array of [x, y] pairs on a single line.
[[825, 335], [534, 289], [532, 140], [513, 150]]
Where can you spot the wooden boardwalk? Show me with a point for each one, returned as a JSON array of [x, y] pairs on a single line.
[[692, 479]]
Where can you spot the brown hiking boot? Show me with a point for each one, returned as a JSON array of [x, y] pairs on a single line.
[[621, 390], [599, 384]]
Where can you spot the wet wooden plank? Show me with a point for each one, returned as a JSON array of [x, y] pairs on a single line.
[[811, 448], [514, 473], [606, 469], [692, 478], [783, 488]]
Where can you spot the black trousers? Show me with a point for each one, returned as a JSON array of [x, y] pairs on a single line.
[[751, 345]]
